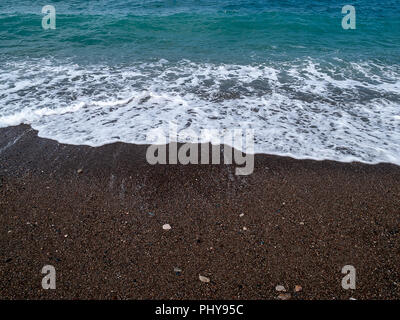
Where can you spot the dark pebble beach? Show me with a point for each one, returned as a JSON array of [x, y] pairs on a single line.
[[97, 216]]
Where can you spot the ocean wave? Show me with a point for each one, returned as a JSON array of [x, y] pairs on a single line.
[[338, 110]]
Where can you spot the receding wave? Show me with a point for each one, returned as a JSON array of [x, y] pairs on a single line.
[[345, 111]]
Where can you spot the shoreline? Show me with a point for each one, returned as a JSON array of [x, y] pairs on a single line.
[[102, 228]]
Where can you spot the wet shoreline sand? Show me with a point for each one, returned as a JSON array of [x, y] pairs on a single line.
[[303, 220]]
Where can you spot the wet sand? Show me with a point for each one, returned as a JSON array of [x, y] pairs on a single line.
[[102, 228]]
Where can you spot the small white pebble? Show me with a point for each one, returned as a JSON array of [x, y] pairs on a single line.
[[241, 215], [166, 227], [280, 288], [204, 279], [244, 228]]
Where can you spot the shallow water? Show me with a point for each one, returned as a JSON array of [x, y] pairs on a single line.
[[114, 70]]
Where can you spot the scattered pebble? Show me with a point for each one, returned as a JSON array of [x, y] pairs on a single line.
[[178, 271], [352, 299], [302, 223], [244, 228], [241, 215], [298, 288], [80, 171], [166, 227], [65, 235], [204, 279], [280, 288], [284, 296]]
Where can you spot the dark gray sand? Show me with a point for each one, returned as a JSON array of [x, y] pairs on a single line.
[[102, 228]]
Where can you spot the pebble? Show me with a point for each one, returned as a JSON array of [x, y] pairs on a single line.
[[302, 223], [298, 288], [177, 271], [204, 279], [80, 170], [166, 227], [244, 228], [241, 215], [284, 296], [280, 288]]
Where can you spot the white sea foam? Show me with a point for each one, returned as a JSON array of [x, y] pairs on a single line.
[[303, 109]]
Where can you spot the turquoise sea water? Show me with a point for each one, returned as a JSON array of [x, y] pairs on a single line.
[[113, 70]]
